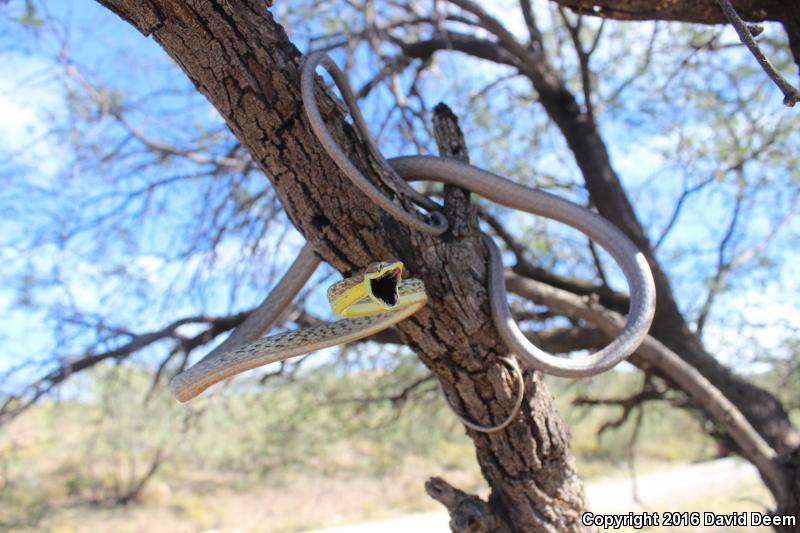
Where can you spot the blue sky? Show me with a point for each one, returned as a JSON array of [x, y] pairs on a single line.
[[111, 53]]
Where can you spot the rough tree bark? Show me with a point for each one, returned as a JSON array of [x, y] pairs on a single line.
[[698, 11], [243, 62]]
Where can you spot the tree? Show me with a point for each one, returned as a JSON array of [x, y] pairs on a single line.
[[242, 61]]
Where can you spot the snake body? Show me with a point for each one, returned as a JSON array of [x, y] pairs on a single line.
[[370, 315], [218, 366], [505, 192]]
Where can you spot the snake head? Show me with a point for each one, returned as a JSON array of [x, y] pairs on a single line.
[[382, 279]]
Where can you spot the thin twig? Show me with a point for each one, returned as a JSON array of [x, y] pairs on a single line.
[[598, 265], [583, 60], [790, 93]]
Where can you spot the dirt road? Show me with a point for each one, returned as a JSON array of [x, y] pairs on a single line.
[[655, 491]]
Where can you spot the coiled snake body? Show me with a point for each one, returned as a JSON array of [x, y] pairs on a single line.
[[410, 294]]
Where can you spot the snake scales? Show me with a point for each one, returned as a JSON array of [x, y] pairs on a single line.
[[221, 364]]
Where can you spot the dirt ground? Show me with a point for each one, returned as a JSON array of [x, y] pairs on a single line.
[[398, 503], [700, 486]]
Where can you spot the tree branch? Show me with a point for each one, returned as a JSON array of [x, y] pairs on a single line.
[[583, 60], [696, 11], [654, 355], [468, 513], [648, 393], [790, 94], [15, 404]]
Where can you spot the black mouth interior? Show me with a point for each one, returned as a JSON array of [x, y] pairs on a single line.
[[385, 288]]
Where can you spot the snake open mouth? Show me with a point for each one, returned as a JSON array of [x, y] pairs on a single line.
[[384, 288]]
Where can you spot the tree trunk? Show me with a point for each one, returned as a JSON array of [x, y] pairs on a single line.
[[242, 60]]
